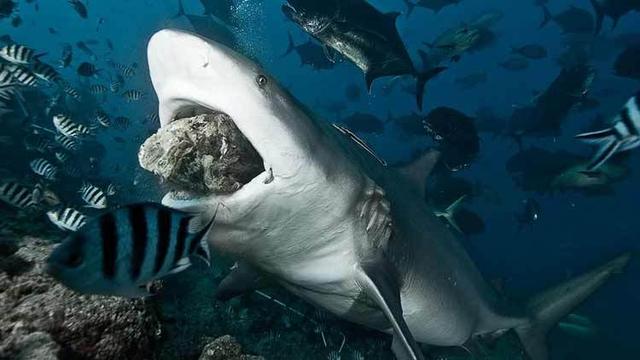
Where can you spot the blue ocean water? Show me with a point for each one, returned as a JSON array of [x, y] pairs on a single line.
[[575, 230]]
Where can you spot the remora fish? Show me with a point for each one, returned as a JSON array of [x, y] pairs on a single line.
[[346, 224], [362, 34]]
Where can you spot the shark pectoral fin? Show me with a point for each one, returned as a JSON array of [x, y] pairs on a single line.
[[379, 282], [419, 170], [242, 278]]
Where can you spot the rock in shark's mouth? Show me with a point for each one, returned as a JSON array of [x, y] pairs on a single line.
[[201, 152]]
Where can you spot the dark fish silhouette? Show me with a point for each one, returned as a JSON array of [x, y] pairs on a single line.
[[209, 27], [362, 34], [221, 9], [87, 69], [456, 135], [79, 7], [362, 123], [628, 62], [531, 51], [572, 20], [310, 54], [614, 9], [433, 5], [515, 64]]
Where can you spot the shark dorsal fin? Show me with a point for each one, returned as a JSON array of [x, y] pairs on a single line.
[[419, 170]]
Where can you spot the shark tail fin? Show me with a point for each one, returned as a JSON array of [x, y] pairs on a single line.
[[180, 10], [547, 16], [599, 15], [291, 47], [421, 82], [548, 308], [410, 7]]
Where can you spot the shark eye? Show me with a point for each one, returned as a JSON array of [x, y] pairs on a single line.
[[74, 260], [262, 81]]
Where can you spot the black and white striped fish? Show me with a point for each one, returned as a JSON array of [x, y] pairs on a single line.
[[45, 72], [23, 76], [67, 143], [6, 75], [93, 196], [125, 70], [17, 195], [44, 168], [122, 251], [67, 219], [132, 95], [116, 84], [98, 89], [37, 143], [18, 54], [622, 136], [102, 118], [62, 156], [71, 91], [67, 127]]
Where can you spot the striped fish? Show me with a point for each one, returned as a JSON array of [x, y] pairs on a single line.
[[126, 70], [102, 118], [116, 84], [45, 72], [62, 156], [67, 143], [93, 196], [6, 75], [17, 195], [123, 251], [37, 143], [67, 127], [132, 95], [69, 90], [622, 136], [97, 89], [23, 76], [67, 219], [44, 168], [18, 54]]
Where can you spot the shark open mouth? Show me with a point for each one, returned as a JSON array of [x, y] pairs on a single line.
[[200, 152]]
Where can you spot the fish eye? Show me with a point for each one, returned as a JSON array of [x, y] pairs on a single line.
[[262, 81], [74, 260]]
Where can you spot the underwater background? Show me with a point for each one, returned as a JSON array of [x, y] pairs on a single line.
[[575, 227]]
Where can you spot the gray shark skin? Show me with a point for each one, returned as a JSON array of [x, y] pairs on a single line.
[[330, 223]]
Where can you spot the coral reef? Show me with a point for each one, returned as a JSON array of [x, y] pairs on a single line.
[[40, 319], [225, 348]]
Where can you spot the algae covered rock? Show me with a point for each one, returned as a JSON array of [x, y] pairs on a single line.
[[204, 154], [41, 319], [225, 348]]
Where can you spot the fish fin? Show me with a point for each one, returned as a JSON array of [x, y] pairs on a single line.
[[603, 155], [181, 265], [368, 79], [291, 47], [38, 56], [547, 17], [180, 10], [202, 251], [596, 136], [451, 209], [424, 58], [419, 170], [554, 304], [379, 281], [328, 52], [421, 82], [243, 278], [599, 16]]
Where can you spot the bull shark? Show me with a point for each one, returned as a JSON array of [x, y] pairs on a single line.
[[335, 226]]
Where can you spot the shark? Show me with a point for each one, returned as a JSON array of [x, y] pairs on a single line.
[[332, 223]]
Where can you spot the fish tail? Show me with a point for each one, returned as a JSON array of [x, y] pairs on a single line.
[[421, 82], [549, 307], [547, 16], [599, 15], [180, 10], [291, 47]]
